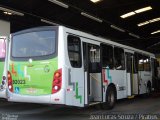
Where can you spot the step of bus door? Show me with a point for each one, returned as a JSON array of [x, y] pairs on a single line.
[[131, 97]]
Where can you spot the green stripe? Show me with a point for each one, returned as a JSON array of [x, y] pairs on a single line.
[[78, 96]]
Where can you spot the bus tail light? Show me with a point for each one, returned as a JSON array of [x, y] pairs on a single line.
[[57, 81], [10, 83]]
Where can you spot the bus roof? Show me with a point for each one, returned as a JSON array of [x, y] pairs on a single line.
[[104, 40], [86, 35]]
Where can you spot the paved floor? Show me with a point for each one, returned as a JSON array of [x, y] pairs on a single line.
[[137, 108]]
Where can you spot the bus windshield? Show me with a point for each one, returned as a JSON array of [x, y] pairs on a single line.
[[34, 44]]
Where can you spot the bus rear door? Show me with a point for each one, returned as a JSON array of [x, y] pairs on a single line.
[[93, 72]]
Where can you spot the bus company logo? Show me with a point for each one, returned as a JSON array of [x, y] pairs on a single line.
[[46, 69]]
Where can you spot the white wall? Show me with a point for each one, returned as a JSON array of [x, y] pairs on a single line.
[[4, 28]]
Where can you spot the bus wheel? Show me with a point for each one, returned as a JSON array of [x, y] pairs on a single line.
[[110, 98]]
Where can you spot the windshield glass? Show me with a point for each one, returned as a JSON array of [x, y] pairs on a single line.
[[33, 44]]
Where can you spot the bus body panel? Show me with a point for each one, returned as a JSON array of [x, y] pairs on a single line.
[[118, 77], [3, 65], [33, 78]]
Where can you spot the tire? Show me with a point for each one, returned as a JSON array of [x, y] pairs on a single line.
[[110, 98]]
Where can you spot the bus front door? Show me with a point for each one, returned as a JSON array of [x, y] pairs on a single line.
[[92, 73]]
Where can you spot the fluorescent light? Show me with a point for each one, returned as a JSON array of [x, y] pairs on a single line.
[[148, 21], [154, 20], [128, 15], [143, 9], [143, 23], [95, 1], [59, 3], [11, 11], [133, 35], [153, 45], [91, 17], [7, 13], [48, 22], [117, 28], [155, 32], [136, 11]]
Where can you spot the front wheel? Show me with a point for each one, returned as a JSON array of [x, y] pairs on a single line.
[[110, 98]]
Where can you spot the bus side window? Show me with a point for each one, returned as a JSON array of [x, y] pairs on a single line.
[[74, 51], [147, 66], [107, 56], [2, 48], [140, 63], [135, 63], [94, 59], [119, 58]]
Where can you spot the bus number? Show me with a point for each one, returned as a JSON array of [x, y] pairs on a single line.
[[18, 81]]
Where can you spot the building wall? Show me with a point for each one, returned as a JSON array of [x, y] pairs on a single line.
[[4, 28]]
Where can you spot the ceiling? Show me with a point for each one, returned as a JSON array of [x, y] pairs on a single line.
[[108, 13]]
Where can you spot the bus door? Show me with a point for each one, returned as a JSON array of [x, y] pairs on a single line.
[[155, 70], [144, 73], [130, 73], [92, 72], [75, 78]]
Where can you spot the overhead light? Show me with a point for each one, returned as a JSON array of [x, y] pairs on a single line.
[[7, 13], [143, 9], [148, 21], [136, 11], [143, 23], [117, 28], [155, 44], [11, 11], [133, 35], [49, 22], [95, 1], [91, 17], [155, 32], [59, 3], [128, 15], [154, 20]]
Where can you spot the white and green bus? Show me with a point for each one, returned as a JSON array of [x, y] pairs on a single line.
[[59, 65], [3, 67]]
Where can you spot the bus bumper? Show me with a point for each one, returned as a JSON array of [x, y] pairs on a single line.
[[57, 98], [3, 93]]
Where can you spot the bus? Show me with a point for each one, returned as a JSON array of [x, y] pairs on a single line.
[[3, 67], [59, 65]]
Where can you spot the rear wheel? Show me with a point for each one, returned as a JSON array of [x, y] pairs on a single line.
[[110, 98]]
